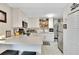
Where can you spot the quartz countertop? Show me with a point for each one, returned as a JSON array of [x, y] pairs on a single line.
[[22, 39]]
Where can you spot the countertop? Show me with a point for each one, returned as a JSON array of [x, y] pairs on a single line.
[[22, 39]]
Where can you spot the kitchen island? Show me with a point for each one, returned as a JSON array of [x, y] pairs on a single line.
[[22, 43]]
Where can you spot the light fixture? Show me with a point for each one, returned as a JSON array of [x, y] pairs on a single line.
[[50, 15]]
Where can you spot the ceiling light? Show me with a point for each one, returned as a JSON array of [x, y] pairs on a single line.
[[50, 15]]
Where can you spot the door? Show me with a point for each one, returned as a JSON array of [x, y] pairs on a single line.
[[60, 34]]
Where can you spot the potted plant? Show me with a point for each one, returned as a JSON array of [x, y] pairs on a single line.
[[28, 33]]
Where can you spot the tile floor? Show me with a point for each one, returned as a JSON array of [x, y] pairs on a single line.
[[51, 49]]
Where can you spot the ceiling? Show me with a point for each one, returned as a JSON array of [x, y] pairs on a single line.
[[41, 9]]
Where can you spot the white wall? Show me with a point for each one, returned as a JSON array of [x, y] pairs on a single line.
[[33, 22], [8, 25], [18, 17], [51, 22], [65, 32], [71, 34], [5, 26]]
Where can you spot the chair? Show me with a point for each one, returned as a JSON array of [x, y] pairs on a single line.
[[28, 53], [10, 52]]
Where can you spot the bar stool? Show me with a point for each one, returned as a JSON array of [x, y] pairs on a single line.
[[10, 52], [28, 53]]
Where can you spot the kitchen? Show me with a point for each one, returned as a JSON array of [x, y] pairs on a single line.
[[22, 30]]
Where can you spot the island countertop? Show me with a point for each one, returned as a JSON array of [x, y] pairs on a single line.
[[22, 39]]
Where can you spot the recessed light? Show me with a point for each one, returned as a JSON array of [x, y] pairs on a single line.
[[50, 15]]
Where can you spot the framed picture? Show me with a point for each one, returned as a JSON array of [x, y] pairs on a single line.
[[51, 30], [8, 33], [43, 23], [24, 24], [3, 16], [65, 26]]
